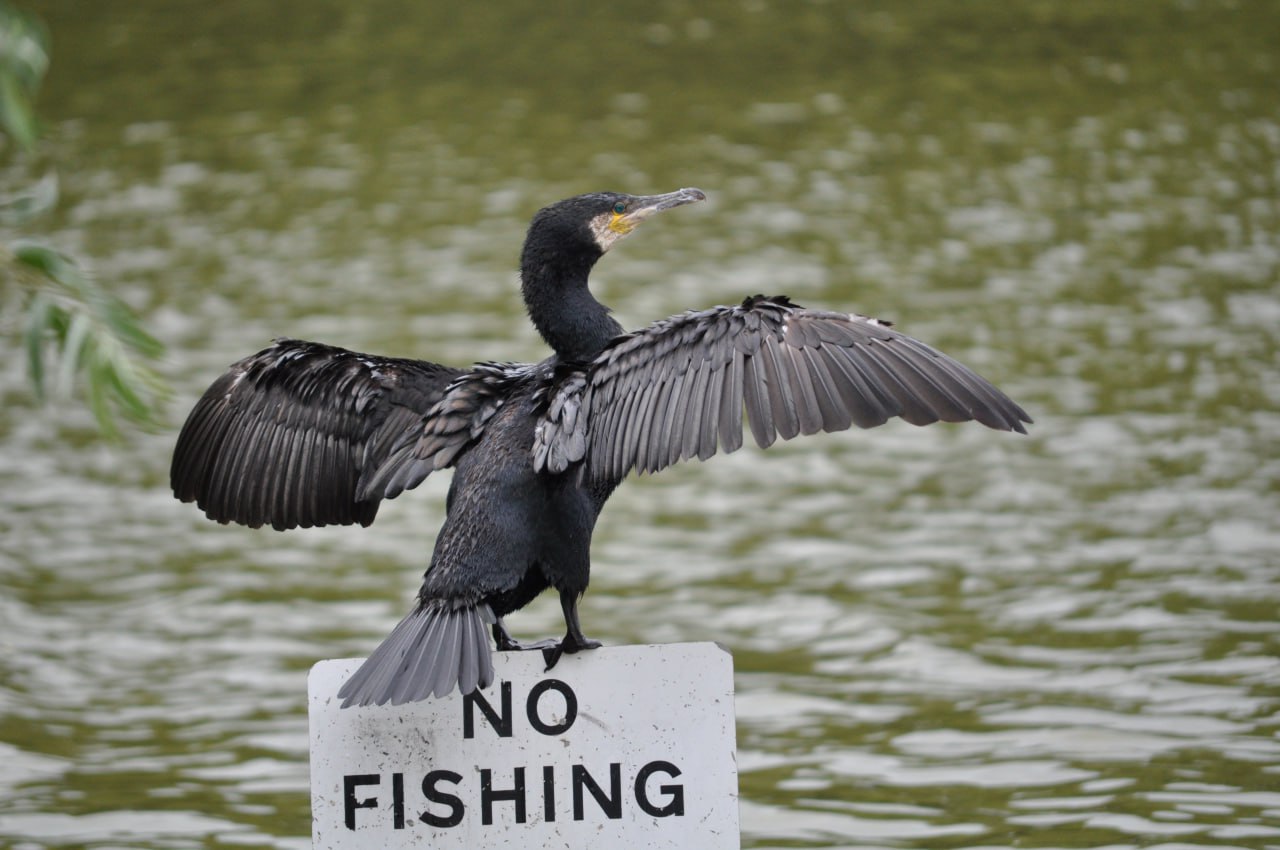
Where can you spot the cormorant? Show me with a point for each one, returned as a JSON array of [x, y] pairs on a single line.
[[305, 434]]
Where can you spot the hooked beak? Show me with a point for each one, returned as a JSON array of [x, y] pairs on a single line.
[[648, 205]]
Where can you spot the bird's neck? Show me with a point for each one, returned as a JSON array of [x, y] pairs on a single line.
[[564, 311]]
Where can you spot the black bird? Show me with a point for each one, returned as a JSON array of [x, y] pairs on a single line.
[[304, 434]]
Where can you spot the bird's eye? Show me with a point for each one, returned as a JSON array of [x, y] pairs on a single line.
[[619, 208]]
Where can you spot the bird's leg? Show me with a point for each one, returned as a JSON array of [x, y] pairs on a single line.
[[506, 643], [574, 639]]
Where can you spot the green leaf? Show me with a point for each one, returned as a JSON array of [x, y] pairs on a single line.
[[24, 59], [74, 348], [34, 337], [125, 384], [97, 390], [93, 334], [24, 47], [44, 260], [17, 118], [126, 328]]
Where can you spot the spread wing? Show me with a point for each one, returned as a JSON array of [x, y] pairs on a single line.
[[284, 435], [677, 389]]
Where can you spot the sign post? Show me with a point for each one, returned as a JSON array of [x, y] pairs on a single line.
[[630, 748]]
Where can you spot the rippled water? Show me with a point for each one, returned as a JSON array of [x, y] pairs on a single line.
[[944, 637]]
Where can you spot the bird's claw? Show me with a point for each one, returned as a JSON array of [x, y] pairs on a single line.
[[569, 646]]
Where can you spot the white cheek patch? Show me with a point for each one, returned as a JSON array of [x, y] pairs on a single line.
[[603, 231]]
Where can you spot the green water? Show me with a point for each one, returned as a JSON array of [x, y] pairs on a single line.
[[944, 637]]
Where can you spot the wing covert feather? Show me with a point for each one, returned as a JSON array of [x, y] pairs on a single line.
[[457, 420]]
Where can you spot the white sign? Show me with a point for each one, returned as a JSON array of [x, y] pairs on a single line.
[[626, 748]]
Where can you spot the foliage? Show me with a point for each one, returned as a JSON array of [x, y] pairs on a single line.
[[24, 58], [65, 319], [92, 332]]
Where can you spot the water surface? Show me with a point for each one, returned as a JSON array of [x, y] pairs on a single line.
[[944, 637]]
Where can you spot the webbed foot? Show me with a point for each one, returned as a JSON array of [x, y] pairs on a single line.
[[506, 643]]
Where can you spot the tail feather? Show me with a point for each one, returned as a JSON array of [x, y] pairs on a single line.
[[429, 653], [432, 671]]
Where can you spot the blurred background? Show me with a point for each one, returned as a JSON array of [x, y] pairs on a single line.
[[944, 637]]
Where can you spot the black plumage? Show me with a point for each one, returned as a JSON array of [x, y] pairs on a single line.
[[281, 438], [305, 434]]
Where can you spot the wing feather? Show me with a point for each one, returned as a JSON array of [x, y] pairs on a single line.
[[681, 387], [672, 434], [709, 405], [694, 403], [290, 501], [863, 397], [991, 409], [924, 382], [241, 432], [453, 424], [835, 415], [755, 386], [779, 387], [639, 428], [284, 435], [893, 384], [731, 401]]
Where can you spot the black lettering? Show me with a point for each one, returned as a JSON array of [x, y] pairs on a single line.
[[349, 803], [611, 804], [675, 793], [435, 795], [549, 794], [570, 706], [488, 796], [501, 723], [397, 800]]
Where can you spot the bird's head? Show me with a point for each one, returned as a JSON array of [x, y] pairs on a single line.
[[565, 239], [590, 224]]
